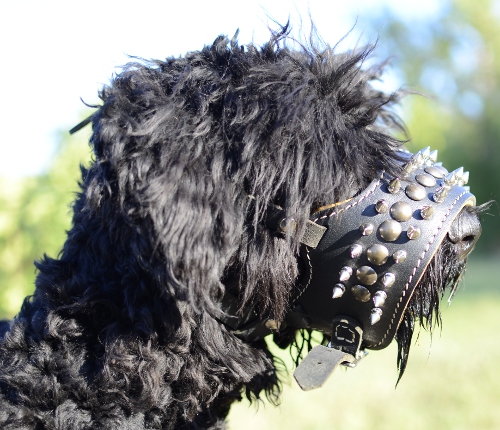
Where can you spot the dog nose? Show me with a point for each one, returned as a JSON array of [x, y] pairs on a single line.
[[465, 231]]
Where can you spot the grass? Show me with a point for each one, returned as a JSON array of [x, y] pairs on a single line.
[[451, 382]]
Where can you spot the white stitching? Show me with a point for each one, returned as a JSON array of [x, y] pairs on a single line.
[[310, 275], [415, 268]]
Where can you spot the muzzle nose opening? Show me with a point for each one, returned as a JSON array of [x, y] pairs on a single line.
[[465, 232]]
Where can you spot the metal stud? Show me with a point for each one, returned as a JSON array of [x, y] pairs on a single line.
[[427, 212], [401, 211], [433, 156], [345, 273], [388, 279], [377, 254], [415, 192], [440, 194], [338, 291], [390, 230], [425, 180], [465, 179], [434, 171], [450, 179], [399, 256], [375, 316], [366, 229], [381, 206], [459, 172], [413, 232], [366, 275], [356, 250], [287, 224], [379, 298], [272, 325], [360, 293], [440, 167], [394, 186]]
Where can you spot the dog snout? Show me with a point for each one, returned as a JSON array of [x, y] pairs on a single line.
[[465, 231]]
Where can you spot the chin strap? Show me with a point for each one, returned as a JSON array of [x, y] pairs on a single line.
[[344, 348]]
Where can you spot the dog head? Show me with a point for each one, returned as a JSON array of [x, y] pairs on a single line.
[[240, 192]]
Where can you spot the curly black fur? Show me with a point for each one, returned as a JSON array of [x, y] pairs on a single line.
[[123, 330]]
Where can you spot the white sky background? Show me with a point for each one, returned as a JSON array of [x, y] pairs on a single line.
[[54, 52]]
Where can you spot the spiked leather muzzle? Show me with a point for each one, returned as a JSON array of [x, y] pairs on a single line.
[[376, 248], [363, 260]]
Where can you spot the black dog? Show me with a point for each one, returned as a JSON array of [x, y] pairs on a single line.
[[204, 223]]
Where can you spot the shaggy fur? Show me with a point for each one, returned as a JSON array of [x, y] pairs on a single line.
[[123, 330]]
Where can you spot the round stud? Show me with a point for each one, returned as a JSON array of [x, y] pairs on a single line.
[[426, 212], [377, 254], [434, 171], [356, 250], [381, 206], [360, 293], [366, 229], [388, 279], [345, 273], [394, 186], [399, 256], [440, 167], [390, 230], [366, 275], [338, 291], [375, 316], [401, 211], [379, 298], [425, 180], [415, 192], [413, 232]]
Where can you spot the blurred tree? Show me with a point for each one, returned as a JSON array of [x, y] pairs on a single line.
[[34, 216], [453, 57]]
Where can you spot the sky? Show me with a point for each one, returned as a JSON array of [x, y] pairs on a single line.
[[54, 53]]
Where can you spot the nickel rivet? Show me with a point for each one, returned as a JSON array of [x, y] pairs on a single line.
[[390, 230], [401, 211]]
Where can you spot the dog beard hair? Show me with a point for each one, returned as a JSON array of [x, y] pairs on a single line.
[[443, 273]]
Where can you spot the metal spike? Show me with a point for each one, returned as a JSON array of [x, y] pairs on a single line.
[[381, 206], [433, 156], [463, 179], [425, 152], [440, 194], [345, 273], [356, 250], [450, 179], [375, 316], [413, 232], [426, 212], [399, 256], [388, 279], [379, 298], [338, 291], [459, 172], [366, 229], [394, 186]]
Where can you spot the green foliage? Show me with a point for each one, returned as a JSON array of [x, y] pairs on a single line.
[[34, 218], [453, 57]]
